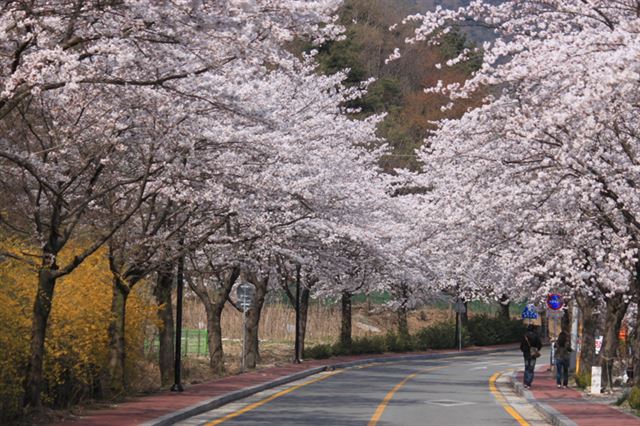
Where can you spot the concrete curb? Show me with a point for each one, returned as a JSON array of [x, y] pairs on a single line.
[[552, 415], [213, 403]]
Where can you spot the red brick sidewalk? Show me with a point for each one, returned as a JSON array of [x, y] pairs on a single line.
[[571, 405], [148, 408]]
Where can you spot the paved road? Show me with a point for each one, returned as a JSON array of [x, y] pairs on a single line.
[[445, 392]]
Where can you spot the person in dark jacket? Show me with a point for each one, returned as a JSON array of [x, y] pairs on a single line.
[[529, 340], [562, 351]]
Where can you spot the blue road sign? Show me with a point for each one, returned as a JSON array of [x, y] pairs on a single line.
[[554, 301], [529, 312]]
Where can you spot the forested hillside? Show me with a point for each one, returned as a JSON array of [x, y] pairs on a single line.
[[399, 87]]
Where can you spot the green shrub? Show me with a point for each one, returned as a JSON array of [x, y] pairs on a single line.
[[392, 342], [634, 398], [321, 351], [488, 330], [368, 345], [583, 379], [399, 343], [441, 335], [483, 330], [362, 345], [339, 349]]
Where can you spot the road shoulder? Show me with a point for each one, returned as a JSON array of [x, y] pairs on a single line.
[[566, 406]]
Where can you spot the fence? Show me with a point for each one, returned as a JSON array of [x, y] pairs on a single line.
[[194, 342]]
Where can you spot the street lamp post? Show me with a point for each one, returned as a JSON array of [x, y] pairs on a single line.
[[177, 385], [177, 382]]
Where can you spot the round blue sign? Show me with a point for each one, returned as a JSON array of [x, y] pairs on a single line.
[[554, 301]]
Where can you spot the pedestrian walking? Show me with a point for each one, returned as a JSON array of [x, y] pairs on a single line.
[[562, 350], [530, 347]]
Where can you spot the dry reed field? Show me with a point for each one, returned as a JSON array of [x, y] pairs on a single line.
[[277, 328], [277, 324]]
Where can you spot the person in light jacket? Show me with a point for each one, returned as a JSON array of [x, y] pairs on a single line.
[[529, 340], [562, 351]]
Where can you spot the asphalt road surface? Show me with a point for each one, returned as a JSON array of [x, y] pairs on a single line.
[[465, 391]]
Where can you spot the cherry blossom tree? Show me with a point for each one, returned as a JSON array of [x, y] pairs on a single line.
[[65, 68], [544, 174]]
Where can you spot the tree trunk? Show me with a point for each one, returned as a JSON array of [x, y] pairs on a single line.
[[615, 312], [253, 321], [166, 331], [589, 327], [304, 311], [504, 308], [214, 332], [214, 301], [403, 323], [636, 350], [41, 310], [213, 309], [116, 333], [464, 317], [300, 306], [345, 329]]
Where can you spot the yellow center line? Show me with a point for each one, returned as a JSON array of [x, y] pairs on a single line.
[[271, 398], [503, 402], [383, 405], [373, 421]]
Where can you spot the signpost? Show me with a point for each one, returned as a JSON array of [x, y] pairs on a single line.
[[555, 303], [245, 293], [460, 309]]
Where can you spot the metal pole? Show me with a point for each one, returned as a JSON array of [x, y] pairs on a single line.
[[185, 351], [578, 348], [552, 353], [244, 328], [177, 386], [297, 356], [457, 325], [460, 331], [199, 333], [575, 355]]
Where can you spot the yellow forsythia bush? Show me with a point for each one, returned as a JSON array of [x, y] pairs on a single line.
[[15, 328], [77, 342]]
